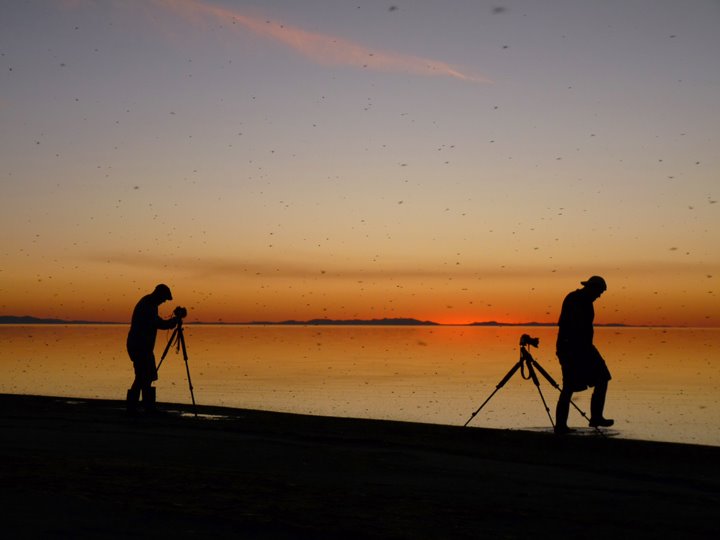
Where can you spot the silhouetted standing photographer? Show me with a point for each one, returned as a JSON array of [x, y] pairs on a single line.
[[141, 346], [582, 365]]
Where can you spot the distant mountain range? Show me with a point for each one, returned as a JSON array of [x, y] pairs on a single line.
[[26, 319], [11, 319], [354, 322]]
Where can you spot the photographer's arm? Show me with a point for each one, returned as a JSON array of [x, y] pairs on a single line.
[[166, 324]]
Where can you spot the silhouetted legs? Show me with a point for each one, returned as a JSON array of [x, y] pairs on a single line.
[[597, 404], [148, 397], [145, 374], [133, 396], [562, 410], [147, 391], [597, 401]]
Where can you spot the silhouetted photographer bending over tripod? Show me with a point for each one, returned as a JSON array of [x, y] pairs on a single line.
[[581, 363], [141, 346]]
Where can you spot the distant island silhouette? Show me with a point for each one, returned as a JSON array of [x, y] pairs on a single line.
[[397, 321], [27, 319], [401, 321]]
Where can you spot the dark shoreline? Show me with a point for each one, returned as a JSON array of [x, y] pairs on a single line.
[[81, 468]]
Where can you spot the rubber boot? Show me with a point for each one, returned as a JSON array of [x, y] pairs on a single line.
[[131, 402], [597, 405], [148, 395], [561, 413]]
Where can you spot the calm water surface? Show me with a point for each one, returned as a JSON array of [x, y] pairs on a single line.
[[664, 387]]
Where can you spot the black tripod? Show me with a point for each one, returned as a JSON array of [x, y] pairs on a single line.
[[178, 338], [527, 361]]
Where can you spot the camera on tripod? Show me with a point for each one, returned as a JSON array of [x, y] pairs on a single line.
[[178, 339], [526, 362]]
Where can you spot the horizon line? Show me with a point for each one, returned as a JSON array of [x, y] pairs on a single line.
[[385, 321]]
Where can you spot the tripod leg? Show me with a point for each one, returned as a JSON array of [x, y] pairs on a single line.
[[536, 382], [498, 387], [472, 415], [167, 347], [187, 369], [545, 374], [582, 413]]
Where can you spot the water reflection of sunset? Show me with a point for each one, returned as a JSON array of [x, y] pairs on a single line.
[[664, 383]]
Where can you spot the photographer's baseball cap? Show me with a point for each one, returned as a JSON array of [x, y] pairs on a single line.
[[595, 282], [163, 291]]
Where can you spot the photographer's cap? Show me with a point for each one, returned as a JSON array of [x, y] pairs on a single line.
[[595, 282], [163, 291]]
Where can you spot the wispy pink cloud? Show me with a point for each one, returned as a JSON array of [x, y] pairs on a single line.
[[321, 48]]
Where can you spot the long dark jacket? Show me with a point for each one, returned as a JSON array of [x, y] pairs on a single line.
[[575, 327], [581, 362], [145, 324]]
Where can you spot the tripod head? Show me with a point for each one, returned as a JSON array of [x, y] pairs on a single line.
[[526, 340], [526, 359]]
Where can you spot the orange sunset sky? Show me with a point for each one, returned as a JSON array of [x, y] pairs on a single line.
[[454, 161]]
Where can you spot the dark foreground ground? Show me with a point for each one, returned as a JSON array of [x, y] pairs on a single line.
[[82, 469]]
